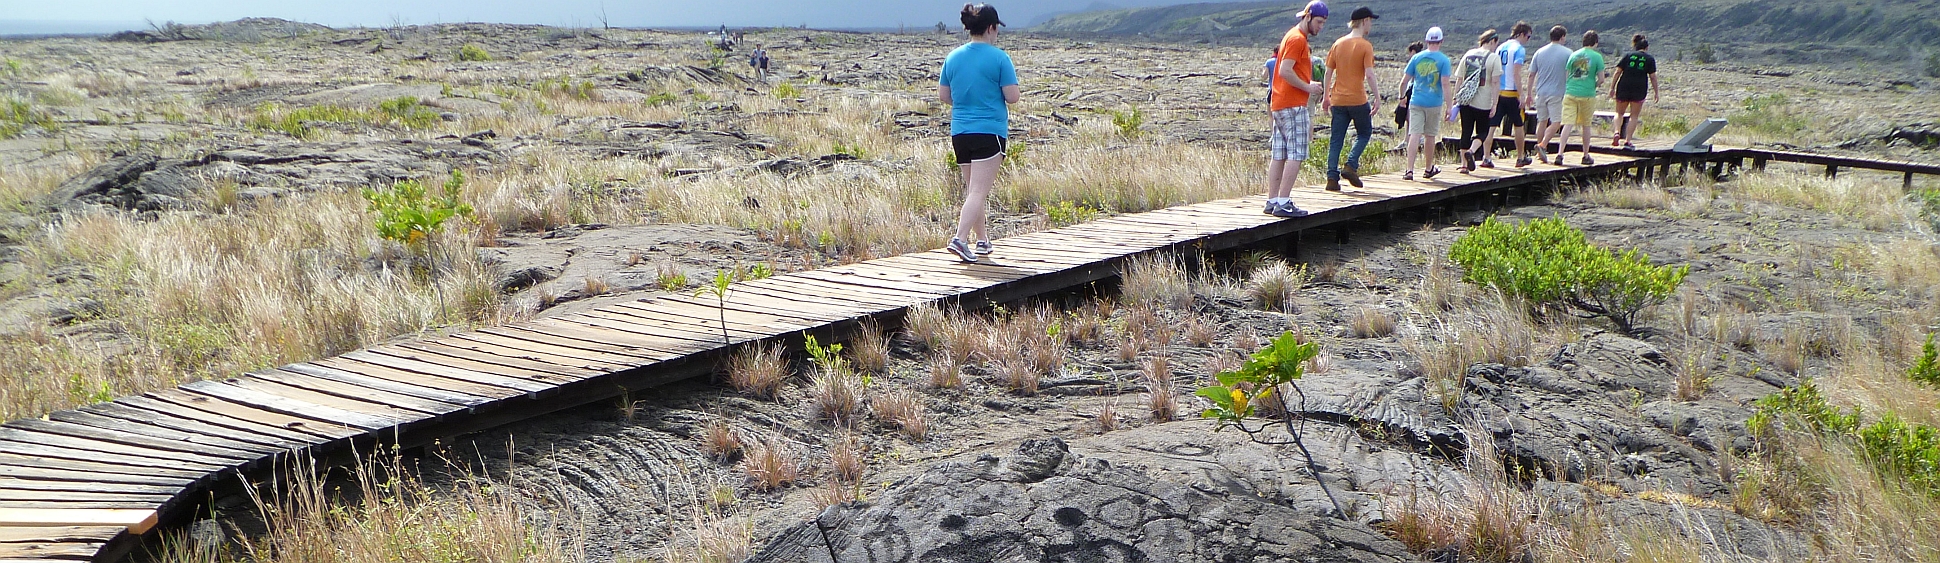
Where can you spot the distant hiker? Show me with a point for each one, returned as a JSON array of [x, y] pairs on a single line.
[[1509, 103], [979, 82], [1272, 60], [1550, 72], [1478, 78], [1401, 104], [1429, 71], [759, 60], [1579, 95], [1629, 88], [1292, 122], [1352, 97]]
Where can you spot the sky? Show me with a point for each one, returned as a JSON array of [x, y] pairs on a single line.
[[841, 14]]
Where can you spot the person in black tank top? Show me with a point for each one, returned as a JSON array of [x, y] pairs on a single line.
[[1636, 78]]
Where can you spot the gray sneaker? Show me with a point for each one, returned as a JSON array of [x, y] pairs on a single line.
[[1288, 209], [1270, 207], [983, 248], [963, 250]]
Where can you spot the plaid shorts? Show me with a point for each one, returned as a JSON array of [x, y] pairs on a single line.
[[1293, 133]]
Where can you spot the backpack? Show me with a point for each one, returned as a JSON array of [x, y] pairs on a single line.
[[1473, 66]]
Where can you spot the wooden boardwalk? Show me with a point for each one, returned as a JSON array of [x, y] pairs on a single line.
[[85, 484]]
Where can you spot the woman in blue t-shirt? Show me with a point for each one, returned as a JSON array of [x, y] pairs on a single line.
[[979, 83]]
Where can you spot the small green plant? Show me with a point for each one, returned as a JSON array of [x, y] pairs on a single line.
[[1317, 155], [723, 284], [16, 115], [1927, 368], [1704, 54], [1264, 374], [787, 91], [661, 99], [854, 150], [674, 280], [1067, 213], [1803, 408], [1549, 262], [473, 53], [407, 213], [1014, 153], [756, 271], [702, 97], [1933, 65], [408, 111], [1128, 122], [1911, 451], [829, 358], [716, 57], [11, 67], [1770, 114]]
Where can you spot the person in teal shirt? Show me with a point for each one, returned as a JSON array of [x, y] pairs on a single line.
[[1428, 73], [1579, 93]]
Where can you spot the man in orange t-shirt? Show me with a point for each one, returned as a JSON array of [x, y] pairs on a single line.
[[1352, 97], [1292, 126]]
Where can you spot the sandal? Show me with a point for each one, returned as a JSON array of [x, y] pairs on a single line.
[[1408, 176], [1430, 172], [1468, 162], [1629, 147]]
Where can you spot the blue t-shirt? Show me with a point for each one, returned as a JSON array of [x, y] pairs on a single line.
[[1511, 53], [976, 74], [1425, 71]]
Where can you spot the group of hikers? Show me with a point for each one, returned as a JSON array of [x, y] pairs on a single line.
[[1493, 86]]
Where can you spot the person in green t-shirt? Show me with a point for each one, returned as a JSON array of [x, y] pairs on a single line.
[[1579, 94]]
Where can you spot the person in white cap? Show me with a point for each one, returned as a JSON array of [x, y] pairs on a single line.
[[1293, 129], [1430, 73]]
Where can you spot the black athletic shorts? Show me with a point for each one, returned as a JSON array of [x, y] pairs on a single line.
[[1508, 115], [973, 147]]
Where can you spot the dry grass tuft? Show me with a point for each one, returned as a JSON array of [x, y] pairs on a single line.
[[903, 410], [834, 397], [1161, 398], [926, 324], [1129, 348], [1371, 322], [595, 285], [1200, 333], [1694, 376], [869, 350], [1156, 281], [834, 492], [1273, 284], [846, 458], [758, 370], [1108, 415], [771, 463], [945, 372], [720, 441]]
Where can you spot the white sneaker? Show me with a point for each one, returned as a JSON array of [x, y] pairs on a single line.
[[963, 250], [983, 248]]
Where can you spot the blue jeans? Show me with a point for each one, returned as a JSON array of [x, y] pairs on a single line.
[[1363, 130]]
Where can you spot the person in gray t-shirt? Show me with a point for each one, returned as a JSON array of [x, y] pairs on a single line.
[[1549, 72]]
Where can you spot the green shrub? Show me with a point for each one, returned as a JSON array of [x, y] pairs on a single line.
[[473, 53], [1014, 152], [1927, 368], [16, 115], [1704, 54], [854, 150], [661, 99], [1804, 405], [787, 91], [1317, 155], [408, 112], [1067, 213], [1128, 122], [1549, 262], [1279, 363], [408, 214], [1770, 114], [1910, 451]]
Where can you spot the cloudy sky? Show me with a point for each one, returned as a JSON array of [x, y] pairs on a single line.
[[629, 13]]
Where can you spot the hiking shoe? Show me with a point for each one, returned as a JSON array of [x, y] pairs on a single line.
[[1523, 162], [1270, 206], [1587, 161], [1629, 146], [1430, 172], [1543, 158], [1352, 175], [963, 250], [1333, 184], [1486, 163], [1468, 162], [1289, 210], [982, 248]]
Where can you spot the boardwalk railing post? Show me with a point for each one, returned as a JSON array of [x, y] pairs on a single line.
[[1906, 183], [1831, 171]]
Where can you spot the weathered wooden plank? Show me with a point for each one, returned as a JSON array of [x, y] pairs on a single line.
[[84, 486], [527, 382], [752, 303], [261, 400], [660, 323], [207, 405], [25, 436], [593, 336], [413, 402], [914, 286], [354, 403], [117, 416], [133, 499], [711, 312], [36, 472], [794, 289], [590, 361], [56, 534], [638, 349], [459, 386], [479, 357], [20, 461], [128, 436], [135, 521], [79, 551]]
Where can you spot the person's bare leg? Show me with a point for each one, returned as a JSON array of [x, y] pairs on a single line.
[[1273, 170], [1408, 151], [1586, 141], [1636, 117], [1289, 178], [978, 178]]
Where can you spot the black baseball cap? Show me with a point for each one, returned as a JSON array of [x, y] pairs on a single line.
[[1362, 13], [987, 14]]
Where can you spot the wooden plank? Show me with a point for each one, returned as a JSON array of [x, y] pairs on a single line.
[[806, 312], [664, 322], [639, 348], [185, 468], [375, 371], [911, 284], [170, 427], [851, 289], [206, 405], [571, 334], [218, 424], [333, 387], [84, 469], [81, 551], [584, 363], [325, 414], [929, 272], [125, 436], [751, 303], [793, 289], [638, 328], [364, 403], [775, 298], [35, 472], [13, 495], [713, 312], [475, 357], [25, 436], [53, 534], [530, 382], [84, 486], [132, 521], [991, 273]]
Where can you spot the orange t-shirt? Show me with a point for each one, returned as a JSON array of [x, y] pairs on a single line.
[[1348, 64], [1293, 48]]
